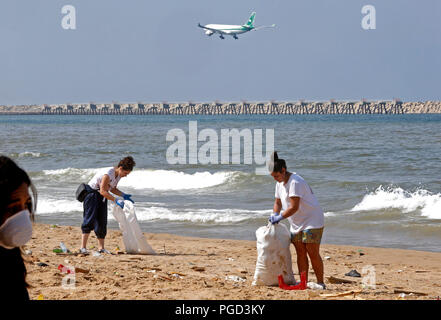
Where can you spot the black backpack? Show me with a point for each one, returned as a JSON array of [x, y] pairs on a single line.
[[82, 192]]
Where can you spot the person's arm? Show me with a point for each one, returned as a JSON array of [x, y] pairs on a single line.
[[104, 188], [117, 192], [293, 207], [277, 206]]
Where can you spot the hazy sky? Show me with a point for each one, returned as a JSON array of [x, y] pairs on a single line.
[[153, 51]]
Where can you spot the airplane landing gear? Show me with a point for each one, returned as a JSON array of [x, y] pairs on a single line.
[[222, 37], [235, 37]]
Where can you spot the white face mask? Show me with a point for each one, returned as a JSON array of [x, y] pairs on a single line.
[[16, 231]]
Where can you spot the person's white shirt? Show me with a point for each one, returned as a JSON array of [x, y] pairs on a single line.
[[95, 182], [310, 214]]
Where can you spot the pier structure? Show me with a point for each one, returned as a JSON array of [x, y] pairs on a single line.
[[300, 107]]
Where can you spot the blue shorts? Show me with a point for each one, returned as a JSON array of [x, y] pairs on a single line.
[[95, 214]]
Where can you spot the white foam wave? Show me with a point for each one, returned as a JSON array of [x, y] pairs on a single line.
[[150, 211], [199, 215], [141, 179], [427, 203], [74, 173], [174, 180], [27, 154], [52, 206]]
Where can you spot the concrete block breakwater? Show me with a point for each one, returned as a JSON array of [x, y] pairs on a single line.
[[231, 108]]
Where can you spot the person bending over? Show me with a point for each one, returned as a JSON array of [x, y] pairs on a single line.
[[95, 203]]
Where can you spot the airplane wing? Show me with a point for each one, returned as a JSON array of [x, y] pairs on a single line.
[[203, 27]]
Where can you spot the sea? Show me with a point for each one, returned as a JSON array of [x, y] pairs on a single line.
[[377, 177]]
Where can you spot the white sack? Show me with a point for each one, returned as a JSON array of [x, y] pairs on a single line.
[[134, 240], [273, 255]]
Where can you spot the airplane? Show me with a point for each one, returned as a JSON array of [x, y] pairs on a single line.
[[232, 30]]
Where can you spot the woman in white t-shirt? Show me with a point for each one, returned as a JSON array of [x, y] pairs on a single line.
[[95, 203], [304, 214]]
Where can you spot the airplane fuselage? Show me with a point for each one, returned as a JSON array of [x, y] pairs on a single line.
[[227, 29]]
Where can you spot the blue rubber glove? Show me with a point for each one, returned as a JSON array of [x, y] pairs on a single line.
[[120, 203], [275, 218], [127, 196]]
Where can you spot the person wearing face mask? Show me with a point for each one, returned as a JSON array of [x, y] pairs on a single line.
[[305, 216], [16, 216], [95, 203]]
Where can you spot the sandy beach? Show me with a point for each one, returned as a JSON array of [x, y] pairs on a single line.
[[196, 268]]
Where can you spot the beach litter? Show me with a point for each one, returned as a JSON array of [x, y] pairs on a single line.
[[64, 269], [235, 278], [40, 297], [162, 277], [335, 280], [341, 294], [63, 247], [96, 254], [410, 292], [28, 252], [200, 269], [353, 273], [327, 258], [42, 264], [80, 270]]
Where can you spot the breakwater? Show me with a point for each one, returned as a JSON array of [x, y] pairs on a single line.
[[218, 108]]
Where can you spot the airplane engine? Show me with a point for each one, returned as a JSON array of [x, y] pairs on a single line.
[[209, 32]]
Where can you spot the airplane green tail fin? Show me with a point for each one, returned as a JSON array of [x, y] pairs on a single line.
[[250, 22]]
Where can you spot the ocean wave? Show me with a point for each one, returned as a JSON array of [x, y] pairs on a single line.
[[150, 211], [142, 179], [174, 180], [27, 154], [218, 216], [47, 206], [422, 201]]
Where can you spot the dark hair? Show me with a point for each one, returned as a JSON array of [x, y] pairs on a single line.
[[276, 164], [12, 268], [127, 163], [11, 178]]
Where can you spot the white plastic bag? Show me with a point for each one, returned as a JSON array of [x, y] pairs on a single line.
[[133, 238], [273, 255]]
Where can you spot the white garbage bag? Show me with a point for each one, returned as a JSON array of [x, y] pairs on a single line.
[[273, 255], [133, 238]]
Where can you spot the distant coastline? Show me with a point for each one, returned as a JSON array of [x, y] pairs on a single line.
[[218, 108]]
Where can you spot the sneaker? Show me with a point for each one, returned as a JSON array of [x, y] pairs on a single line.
[[322, 285], [84, 251], [104, 251], [316, 286]]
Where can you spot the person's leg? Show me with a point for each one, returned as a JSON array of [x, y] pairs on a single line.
[[302, 258], [84, 238], [312, 240], [101, 226], [89, 217], [313, 250]]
